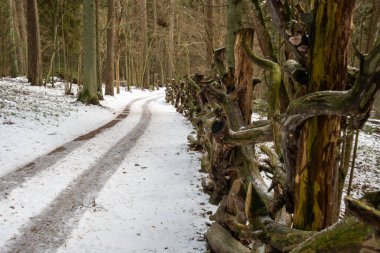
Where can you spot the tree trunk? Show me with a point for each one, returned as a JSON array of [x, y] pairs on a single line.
[[244, 72], [234, 19], [89, 94], [316, 168], [374, 21], [209, 32], [261, 29], [119, 16], [144, 41], [109, 75], [34, 45], [171, 63], [12, 40], [98, 56], [19, 41], [20, 11]]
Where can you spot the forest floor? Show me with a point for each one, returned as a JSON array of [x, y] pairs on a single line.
[[115, 178]]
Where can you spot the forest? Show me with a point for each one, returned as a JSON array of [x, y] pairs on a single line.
[[267, 112]]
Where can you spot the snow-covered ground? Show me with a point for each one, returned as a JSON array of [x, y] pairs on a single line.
[[36, 120], [133, 187], [150, 200]]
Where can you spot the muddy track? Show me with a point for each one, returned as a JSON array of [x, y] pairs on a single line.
[[49, 230], [15, 178]]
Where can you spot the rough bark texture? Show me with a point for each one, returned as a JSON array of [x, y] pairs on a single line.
[[99, 78], [12, 40], [261, 29], [209, 31], [375, 19], [144, 41], [171, 63], [234, 19], [109, 74], [34, 44], [88, 94], [244, 72], [20, 11], [222, 241], [316, 168]]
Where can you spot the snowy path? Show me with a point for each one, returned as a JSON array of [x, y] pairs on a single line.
[[131, 187]]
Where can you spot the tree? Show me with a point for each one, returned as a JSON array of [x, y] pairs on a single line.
[[209, 5], [12, 40], [88, 94], [110, 49], [316, 169], [34, 44], [22, 35], [171, 63], [145, 45], [98, 58], [312, 95]]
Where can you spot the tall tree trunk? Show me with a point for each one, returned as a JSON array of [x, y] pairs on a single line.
[[209, 32], [98, 56], [155, 56], [19, 41], [234, 21], [316, 170], [12, 40], [20, 12], [244, 72], [144, 41], [54, 30], [171, 63], [375, 19], [34, 44], [118, 14], [89, 94], [109, 75], [261, 29]]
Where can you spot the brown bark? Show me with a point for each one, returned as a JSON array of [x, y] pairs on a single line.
[[19, 5], [244, 72], [316, 169], [221, 240], [374, 21], [20, 41], [145, 47], [260, 27], [34, 44], [209, 31], [109, 75], [171, 63], [118, 14]]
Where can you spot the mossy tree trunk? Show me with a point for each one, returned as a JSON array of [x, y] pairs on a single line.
[[316, 168], [89, 94]]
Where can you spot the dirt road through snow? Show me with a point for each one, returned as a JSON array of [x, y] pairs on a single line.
[[91, 194]]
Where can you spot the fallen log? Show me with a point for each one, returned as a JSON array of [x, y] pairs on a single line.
[[221, 241]]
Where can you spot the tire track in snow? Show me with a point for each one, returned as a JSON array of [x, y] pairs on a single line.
[[49, 230], [15, 178]]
